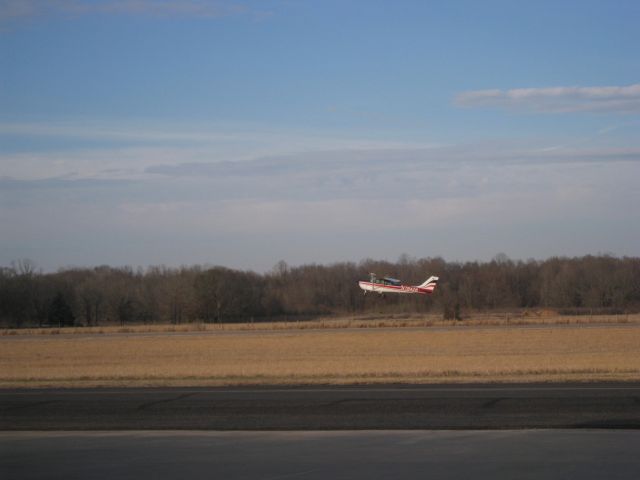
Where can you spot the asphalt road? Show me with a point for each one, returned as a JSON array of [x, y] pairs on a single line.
[[325, 408], [366, 455]]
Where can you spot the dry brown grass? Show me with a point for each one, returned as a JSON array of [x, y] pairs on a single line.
[[336, 356], [538, 317]]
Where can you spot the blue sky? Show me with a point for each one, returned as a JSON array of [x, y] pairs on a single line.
[[241, 133]]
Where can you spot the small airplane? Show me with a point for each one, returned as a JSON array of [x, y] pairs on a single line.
[[393, 285]]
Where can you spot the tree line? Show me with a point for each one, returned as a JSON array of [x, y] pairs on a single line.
[[107, 295]]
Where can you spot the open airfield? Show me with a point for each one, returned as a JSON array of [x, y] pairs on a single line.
[[528, 401], [528, 353], [556, 431], [507, 454], [171, 167], [371, 407]]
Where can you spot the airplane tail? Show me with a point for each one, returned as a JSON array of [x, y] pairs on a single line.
[[430, 283]]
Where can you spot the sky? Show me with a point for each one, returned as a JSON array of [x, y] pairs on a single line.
[[242, 133]]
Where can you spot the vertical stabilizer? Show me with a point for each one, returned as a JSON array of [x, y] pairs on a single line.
[[431, 281]]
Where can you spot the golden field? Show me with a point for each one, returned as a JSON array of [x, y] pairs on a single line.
[[540, 317], [324, 356]]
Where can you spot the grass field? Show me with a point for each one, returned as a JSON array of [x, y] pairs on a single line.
[[318, 356], [540, 317]]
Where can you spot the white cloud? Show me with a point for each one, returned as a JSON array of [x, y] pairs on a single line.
[[201, 194], [611, 99], [106, 163], [133, 151], [266, 217], [150, 132], [122, 132]]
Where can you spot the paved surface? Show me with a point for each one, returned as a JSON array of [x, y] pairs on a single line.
[[521, 454], [325, 408]]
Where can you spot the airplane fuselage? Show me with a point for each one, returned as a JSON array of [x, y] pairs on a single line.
[[382, 288]]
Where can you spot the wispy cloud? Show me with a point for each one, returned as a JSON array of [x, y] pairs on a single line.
[[610, 99], [306, 193], [148, 132], [133, 151], [16, 10], [9, 183], [123, 132]]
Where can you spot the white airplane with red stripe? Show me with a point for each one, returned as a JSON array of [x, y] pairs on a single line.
[[393, 285]]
